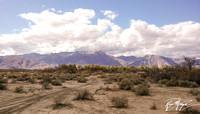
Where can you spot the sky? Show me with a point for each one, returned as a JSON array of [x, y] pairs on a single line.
[[118, 27]]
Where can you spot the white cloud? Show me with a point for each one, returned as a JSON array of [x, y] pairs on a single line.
[[53, 9], [74, 31], [59, 11], [110, 14]]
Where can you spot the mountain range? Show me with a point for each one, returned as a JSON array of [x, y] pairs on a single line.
[[40, 61]]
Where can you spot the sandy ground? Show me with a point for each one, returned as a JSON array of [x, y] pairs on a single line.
[[40, 101]]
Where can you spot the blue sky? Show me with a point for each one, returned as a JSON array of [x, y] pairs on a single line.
[[158, 12], [117, 27]]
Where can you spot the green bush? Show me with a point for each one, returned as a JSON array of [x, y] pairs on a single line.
[[142, 90], [82, 80], [3, 87], [19, 89], [84, 95], [119, 102]]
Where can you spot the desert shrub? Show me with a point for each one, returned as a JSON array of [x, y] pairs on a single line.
[[13, 81], [32, 80], [82, 80], [3, 87], [119, 102], [39, 77], [164, 81], [172, 82], [125, 84], [59, 101], [57, 82], [20, 78], [153, 106], [3, 80], [46, 85], [19, 89], [142, 90], [102, 76], [112, 77], [185, 83], [47, 79], [198, 97], [189, 110], [193, 84], [12, 76], [194, 92], [84, 95], [137, 80]]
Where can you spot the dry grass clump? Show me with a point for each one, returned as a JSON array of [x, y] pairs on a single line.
[[84, 95], [141, 90], [180, 83], [198, 98], [194, 92], [3, 80], [119, 102], [60, 101], [57, 82], [189, 110], [3, 86], [82, 80], [153, 106], [19, 89], [46, 85]]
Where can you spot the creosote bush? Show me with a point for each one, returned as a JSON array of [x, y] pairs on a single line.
[[198, 97], [194, 92], [141, 90], [60, 101], [46, 85], [82, 80], [189, 110], [3, 80], [84, 95], [32, 80], [3, 87], [153, 106], [19, 89], [57, 82], [181, 83], [125, 84], [119, 102]]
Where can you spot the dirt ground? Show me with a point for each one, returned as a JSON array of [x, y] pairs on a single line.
[[37, 100]]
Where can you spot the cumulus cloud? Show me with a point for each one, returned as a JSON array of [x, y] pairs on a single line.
[[53, 9], [110, 14], [73, 31]]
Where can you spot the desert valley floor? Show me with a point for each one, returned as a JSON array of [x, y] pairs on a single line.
[[37, 100]]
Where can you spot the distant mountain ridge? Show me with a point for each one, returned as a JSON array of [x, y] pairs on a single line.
[[40, 61]]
